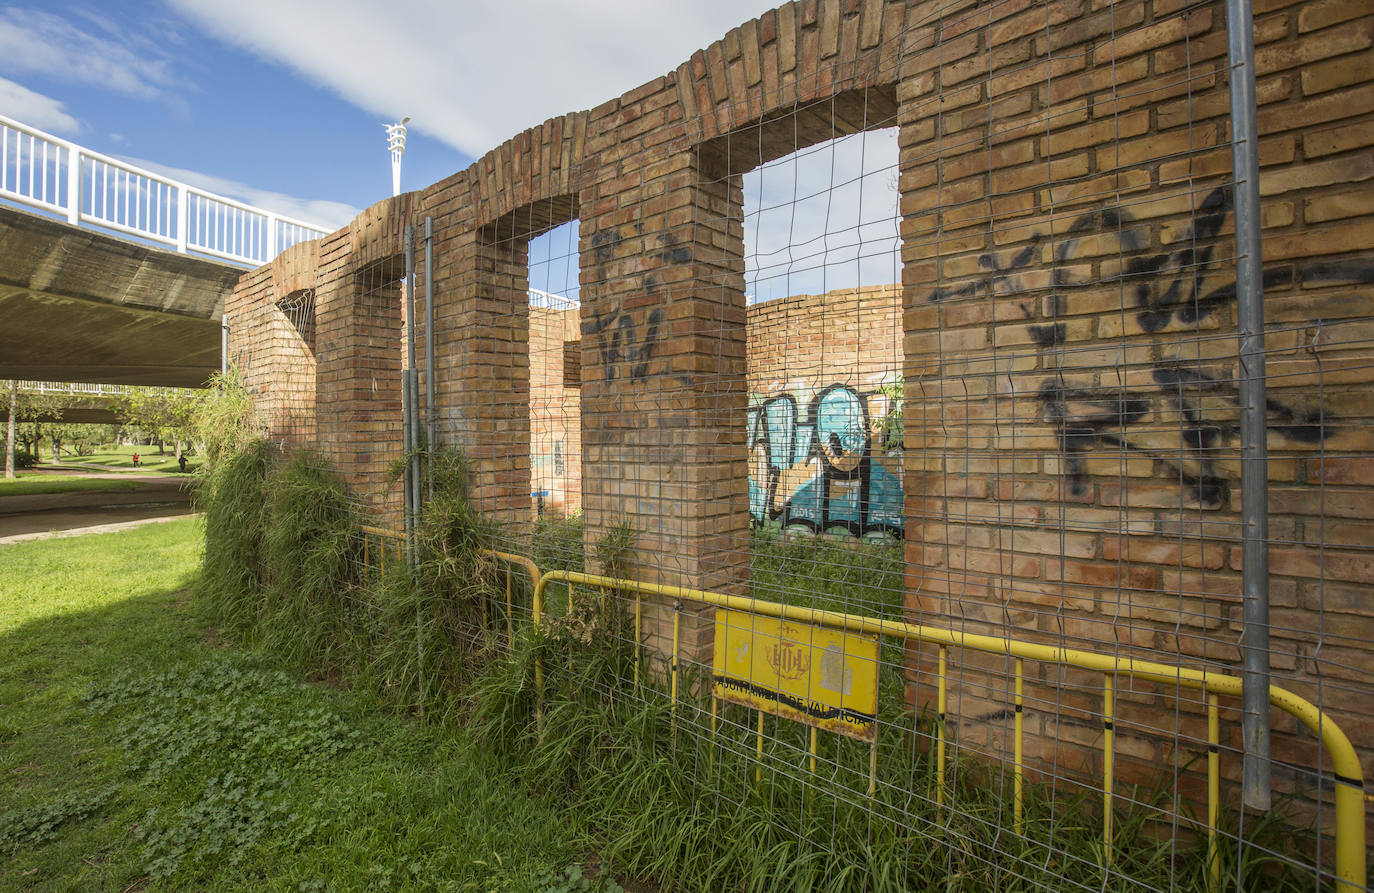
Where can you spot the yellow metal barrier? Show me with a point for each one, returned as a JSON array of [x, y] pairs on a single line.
[[1346, 769], [530, 568], [1348, 775], [384, 534]]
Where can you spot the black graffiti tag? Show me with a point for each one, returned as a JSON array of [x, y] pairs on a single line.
[[1165, 287], [620, 340], [625, 345]]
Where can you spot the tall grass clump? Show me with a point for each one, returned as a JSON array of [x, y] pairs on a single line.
[[311, 546], [231, 494], [429, 624], [284, 569], [834, 573], [556, 543], [281, 536], [664, 797], [230, 491], [225, 424]]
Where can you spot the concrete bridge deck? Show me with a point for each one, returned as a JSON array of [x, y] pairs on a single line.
[[80, 305]]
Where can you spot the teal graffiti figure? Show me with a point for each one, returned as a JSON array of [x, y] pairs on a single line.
[[820, 471]]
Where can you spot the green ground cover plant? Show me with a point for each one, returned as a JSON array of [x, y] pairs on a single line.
[[642, 780], [137, 751], [31, 483]]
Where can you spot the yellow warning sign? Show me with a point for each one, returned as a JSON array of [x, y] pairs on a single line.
[[810, 674]]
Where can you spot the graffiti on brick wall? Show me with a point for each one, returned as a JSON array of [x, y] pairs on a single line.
[[625, 343], [1187, 411], [826, 469]]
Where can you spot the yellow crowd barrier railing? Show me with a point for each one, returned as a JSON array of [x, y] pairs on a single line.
[[382, 550], [1346, 770], [1347, 773]]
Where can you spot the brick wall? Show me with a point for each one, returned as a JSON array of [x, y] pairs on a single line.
[[555, 413], [841, 349], [1072, 419], [1071, 447], [274, 355]]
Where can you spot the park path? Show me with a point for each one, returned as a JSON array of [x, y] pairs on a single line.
[[94, 528], [91, 511]]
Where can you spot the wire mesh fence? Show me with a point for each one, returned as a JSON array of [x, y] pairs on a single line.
[[880, 460]]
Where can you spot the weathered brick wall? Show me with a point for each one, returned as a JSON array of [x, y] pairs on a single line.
[[1071, 454], [555, 413], [1072, 417], [275, 357], [807, 356]]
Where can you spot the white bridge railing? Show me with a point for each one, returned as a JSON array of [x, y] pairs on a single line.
[[41, 170], [83, 389]]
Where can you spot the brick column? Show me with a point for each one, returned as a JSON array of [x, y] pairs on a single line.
[[273, 350], [358, 372], [663, 376], [482, 363]]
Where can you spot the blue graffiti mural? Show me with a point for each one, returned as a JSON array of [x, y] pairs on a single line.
[[820, 471]]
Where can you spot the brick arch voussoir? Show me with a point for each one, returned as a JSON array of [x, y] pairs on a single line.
[[535, 166], [801, 54]]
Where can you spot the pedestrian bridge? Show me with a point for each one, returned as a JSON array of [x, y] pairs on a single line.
[[112, 273]]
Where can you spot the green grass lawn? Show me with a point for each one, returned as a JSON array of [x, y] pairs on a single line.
[[122, 457], [137, 752], [27, 484]]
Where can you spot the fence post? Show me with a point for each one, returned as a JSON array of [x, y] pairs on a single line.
[[181, 218], [74, 185], [1254, 465]]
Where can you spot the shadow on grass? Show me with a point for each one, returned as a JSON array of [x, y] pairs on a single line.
[[135, 751]]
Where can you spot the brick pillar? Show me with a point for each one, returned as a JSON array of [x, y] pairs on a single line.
[[358, 373], [271, 342], [482, 363], [663, 377]]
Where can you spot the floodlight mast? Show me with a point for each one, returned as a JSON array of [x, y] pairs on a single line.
[[396, 142]]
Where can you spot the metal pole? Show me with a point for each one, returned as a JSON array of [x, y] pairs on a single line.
[[430, 435], [413, 383], [223, 344], [405, 451], [1253, 432], [407, 403]]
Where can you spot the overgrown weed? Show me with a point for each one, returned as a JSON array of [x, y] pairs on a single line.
[[665, 799]]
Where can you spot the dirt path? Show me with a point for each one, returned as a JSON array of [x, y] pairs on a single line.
[[83, 530], [83, 511]]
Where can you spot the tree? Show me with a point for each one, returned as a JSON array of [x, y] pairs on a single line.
[[9, 430], [161, 413], [29, 413]]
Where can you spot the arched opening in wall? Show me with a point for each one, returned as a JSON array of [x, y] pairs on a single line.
[[527, 421], [289, 403], [555, 363], [299, 309], [823, 425]]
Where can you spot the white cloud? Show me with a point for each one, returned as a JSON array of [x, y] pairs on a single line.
[[823, 218], [43, 112], [35, 41], [328, 214], [473, 74]]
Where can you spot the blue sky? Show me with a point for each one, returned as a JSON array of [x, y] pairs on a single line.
[[280, 102]]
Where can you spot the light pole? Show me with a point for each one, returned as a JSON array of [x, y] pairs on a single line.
[[396, 142]]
